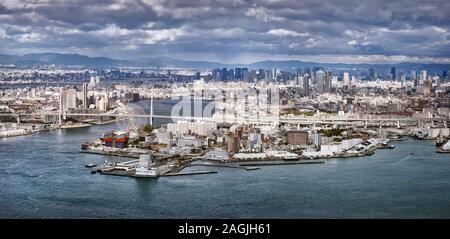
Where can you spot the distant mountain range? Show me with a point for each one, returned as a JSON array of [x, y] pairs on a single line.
[[40, 59]]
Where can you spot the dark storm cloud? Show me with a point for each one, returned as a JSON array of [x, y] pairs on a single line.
[[229, 30]]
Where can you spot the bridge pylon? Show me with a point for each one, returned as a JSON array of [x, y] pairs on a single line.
[[151, 109]]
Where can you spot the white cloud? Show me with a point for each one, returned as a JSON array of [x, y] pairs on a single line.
[[3, 34], [32, 37], [261, 14], [287, 33], [112, 30], [154, 36]]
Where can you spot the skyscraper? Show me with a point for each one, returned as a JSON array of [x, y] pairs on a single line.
[[297, 76], [237, 73], [371, 74], [274, 73], [85, 98], [306, 85], [393, 73], [71, 102], [253, 76], [402, 79], [320, 81], [216, 74], [327, 86], [346, 79], [261, 74], [245, 74], [426, 88], [437, 81], [414, 78], [223, 74], [423, 77]]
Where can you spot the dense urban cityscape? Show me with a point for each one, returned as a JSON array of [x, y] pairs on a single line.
[[265, 115], [243, 109]]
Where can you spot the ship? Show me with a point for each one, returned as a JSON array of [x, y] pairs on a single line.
[[440, 140], [90, 165], [116, 140], [108, 138], [444, 149], [121, 139], [385, 145], [146, 173]]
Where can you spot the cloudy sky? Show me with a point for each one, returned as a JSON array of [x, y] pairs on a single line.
[[240, 31]]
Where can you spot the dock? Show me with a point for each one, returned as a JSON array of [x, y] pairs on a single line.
[[222, 165], [188, 173], [110, 153], [276, 163]]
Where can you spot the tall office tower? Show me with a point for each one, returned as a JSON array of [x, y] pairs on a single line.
[[230, 75], [393, 73], [71, 102], [216, 74], [346, 79], [268, 75], [426, 88], [306, 85], [244, 70], [245, 75], [261, 74], [237, 73], [414, 78], [437, 81], [444, 75], [197, 76], [224, 74], [299, 81], [371, 74], [102, 102], [253, 76], [297, 76], [62, 99], [402, 79], [327, 86], [423, 77], [313, 74], [274, 73], [85, 98], [320, 81]]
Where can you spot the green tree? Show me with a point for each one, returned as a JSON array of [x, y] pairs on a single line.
[[148, 129]]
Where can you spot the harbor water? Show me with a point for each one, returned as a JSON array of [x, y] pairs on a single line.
[[42, 175]]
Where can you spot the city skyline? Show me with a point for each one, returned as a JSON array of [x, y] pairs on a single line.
[[224, 109], [231, 31]]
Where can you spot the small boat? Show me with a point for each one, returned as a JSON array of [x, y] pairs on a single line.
[[251, 168], [441, 140], [391, 146], [90, 165]]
